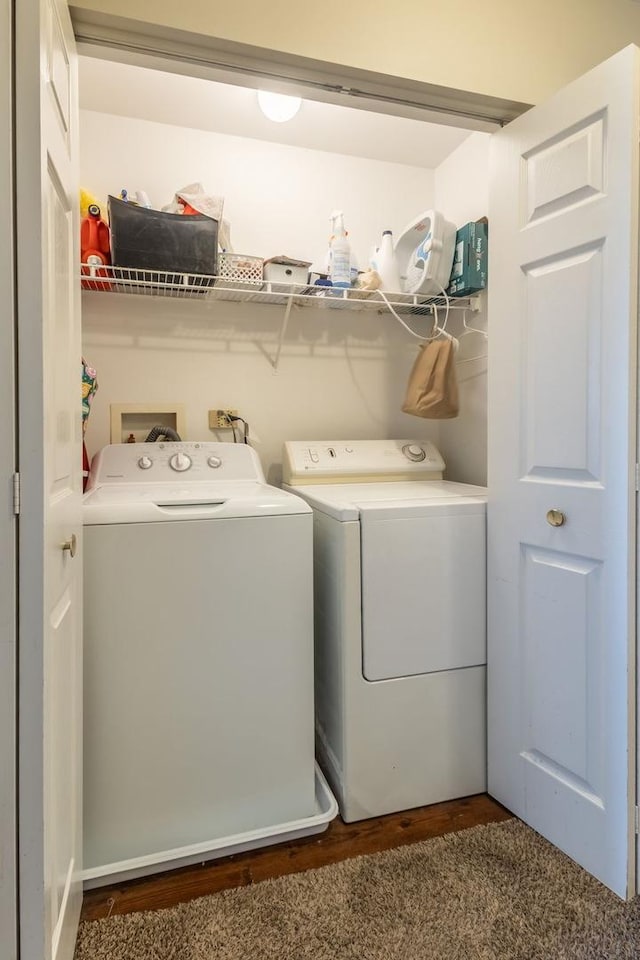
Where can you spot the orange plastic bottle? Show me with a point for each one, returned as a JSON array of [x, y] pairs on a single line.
[[95, 249]]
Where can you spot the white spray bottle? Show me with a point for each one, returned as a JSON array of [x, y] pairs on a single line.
[[340, 261]]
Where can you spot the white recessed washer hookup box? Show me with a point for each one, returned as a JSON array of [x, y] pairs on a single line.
[[138, 419]]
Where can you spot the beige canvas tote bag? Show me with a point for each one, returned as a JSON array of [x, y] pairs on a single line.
[[432, 391]]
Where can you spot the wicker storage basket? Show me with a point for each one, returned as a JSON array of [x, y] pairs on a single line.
[[240, 271]]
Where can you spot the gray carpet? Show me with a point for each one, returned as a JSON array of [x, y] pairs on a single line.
[[496, 892]]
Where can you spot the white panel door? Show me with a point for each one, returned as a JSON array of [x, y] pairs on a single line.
[[562, 414], [49, 449]]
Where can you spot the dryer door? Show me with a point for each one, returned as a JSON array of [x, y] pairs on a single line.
[[423, 587]]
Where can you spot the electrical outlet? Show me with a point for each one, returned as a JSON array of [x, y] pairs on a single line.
[[218, 418]]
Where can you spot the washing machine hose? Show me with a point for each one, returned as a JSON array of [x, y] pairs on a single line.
[[168, 433]]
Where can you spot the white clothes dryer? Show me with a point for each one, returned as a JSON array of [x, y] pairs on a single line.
[[400, 622], [198, 650]]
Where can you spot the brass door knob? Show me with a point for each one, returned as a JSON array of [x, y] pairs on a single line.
[[71, 545], [556, 517]]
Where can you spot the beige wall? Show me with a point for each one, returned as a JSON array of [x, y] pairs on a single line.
[[502, 48], [462, 194]]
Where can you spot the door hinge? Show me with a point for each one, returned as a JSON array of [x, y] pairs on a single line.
[[637, 819], [637, 476], [16, 494]]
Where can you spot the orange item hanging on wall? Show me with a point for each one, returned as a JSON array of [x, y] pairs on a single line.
[[95, 249]]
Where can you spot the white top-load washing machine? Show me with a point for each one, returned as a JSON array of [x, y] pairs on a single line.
[[198, 649], [400, 622]]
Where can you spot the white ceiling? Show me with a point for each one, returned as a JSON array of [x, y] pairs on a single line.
[[131, 91]]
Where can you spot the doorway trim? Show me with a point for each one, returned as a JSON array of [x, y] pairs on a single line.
[[179, 51], [8, 567]]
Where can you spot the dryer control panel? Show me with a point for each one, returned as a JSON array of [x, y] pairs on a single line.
[[355, 461]]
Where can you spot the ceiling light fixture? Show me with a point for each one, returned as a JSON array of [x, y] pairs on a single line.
[[277, 106]]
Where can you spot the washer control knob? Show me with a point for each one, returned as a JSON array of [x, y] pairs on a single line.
[[180, 462], [413, 452], [214, 462], [145, 462]]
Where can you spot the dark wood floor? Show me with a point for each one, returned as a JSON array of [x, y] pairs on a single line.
[[339, 842]]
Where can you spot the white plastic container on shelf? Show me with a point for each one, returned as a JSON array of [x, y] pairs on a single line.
[[385, 263], [424, 254]]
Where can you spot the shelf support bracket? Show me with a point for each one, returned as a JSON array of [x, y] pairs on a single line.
[[283, 330]]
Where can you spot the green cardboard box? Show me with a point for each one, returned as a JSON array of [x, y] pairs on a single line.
[[469, 271]]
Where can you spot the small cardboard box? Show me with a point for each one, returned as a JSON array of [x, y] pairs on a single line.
[[469, 271]]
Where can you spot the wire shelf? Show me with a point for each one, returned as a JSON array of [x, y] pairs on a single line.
[[154, 283]]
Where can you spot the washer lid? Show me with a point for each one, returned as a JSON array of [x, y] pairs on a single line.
[[413, 498], [159, 502]]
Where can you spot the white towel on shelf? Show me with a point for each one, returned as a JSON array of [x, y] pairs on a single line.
[[206, 203]]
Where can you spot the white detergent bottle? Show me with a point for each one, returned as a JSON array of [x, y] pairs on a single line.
[[340, 261], [386, 264]]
